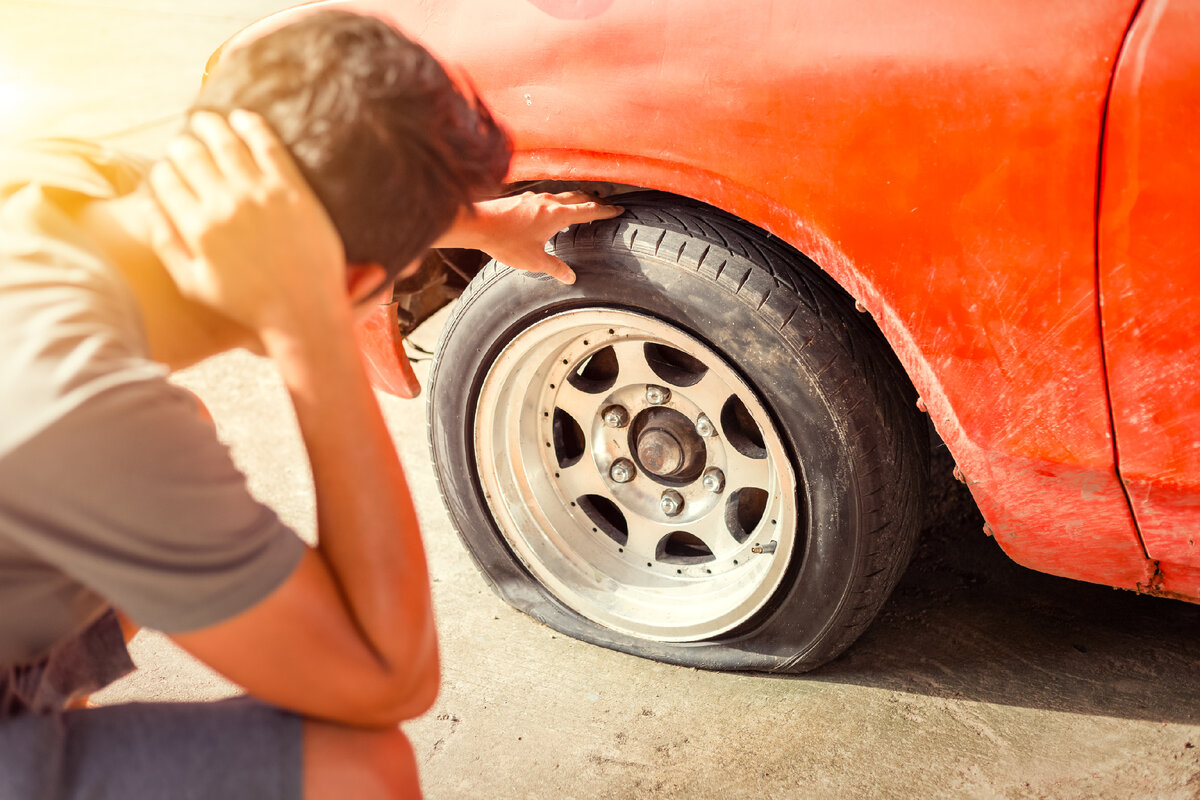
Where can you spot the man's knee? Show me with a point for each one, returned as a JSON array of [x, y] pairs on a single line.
[[341, 762]]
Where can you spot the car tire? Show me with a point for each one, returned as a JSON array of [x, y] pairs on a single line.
[[698, 453]]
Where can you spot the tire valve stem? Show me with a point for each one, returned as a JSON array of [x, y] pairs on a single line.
[[768, 548]]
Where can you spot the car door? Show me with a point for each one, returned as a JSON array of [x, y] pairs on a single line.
[[1149, 267]]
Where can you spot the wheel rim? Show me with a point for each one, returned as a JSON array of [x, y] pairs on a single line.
[[635, 474]]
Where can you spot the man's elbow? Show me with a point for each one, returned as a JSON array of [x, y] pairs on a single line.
[[417, 698], [406, 692]]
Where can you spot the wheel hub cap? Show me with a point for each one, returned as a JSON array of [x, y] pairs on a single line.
[[659, 452], [668, 446]]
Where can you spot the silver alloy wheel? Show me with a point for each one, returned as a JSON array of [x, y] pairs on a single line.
[[663, 550]]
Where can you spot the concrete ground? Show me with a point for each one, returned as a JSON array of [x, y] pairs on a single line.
[[980, 678]]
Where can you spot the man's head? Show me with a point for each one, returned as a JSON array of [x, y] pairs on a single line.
[[384, 137]]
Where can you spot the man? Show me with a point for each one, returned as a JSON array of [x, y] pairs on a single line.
[[319, 164]]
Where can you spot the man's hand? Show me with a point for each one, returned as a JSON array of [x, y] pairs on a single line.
[[514, 230], [240, 231]]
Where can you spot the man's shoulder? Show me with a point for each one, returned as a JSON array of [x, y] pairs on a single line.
[[69, 324], [69, 165]]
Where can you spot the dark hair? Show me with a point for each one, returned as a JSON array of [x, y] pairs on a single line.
[[387, 141]]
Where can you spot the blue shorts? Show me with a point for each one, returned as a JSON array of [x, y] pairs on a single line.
[[233, 749]]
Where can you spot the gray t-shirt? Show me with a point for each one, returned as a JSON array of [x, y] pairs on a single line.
[[113, 490]]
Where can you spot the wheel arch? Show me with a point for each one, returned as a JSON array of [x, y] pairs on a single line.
[[610, 175]]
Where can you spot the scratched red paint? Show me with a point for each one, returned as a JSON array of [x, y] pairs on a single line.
[[940, 160], [1150, 282]]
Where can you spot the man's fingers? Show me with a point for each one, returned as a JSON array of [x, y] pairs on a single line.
[[269, 153], [194, 164], [580, 201], [587, 212], [606, 211], [556, 268], [166, 241], [173, 194], [229, 152], [574, 197]]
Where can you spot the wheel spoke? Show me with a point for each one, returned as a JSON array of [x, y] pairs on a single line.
[[579, 479], [644, 536], [632, 364], [742, 472], [710, 393], [580, 405], [712, 530]]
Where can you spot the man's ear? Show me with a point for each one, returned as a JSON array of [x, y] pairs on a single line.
[[363, 280]]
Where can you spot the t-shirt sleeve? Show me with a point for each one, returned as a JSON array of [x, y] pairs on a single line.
[[132, 494]]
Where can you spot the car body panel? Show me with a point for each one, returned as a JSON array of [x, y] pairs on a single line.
[[958, 143], [382, 346], [939, 160], [1150, 279]]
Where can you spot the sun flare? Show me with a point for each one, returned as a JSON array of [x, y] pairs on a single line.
[[18, 98]]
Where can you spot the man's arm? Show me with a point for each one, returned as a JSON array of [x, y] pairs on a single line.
[[350, 635]]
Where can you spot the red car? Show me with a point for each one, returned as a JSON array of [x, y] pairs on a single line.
[[840, 218]]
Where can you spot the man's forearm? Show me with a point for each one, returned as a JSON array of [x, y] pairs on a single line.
[[367, 526], [466, 231]]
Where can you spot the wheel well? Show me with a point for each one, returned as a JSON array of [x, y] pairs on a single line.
[[458, 267], [800, 264]]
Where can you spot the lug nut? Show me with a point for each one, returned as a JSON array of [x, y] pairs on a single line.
[[616, 417], [714, 480], [704, 426], [657, 395], [671, 503], [622, 470]]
